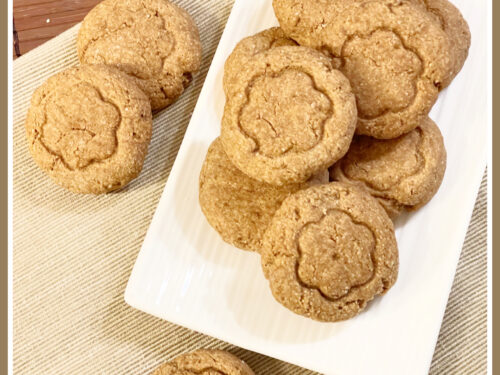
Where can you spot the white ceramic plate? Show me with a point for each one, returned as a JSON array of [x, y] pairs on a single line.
[[187, 275]]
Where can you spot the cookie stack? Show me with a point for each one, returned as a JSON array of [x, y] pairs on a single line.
[[343, 86], [89, 127]]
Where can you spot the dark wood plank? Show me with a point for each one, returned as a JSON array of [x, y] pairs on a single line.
[[43, 33], [20, 3], [30, 44], [37, 21], [44, 21], [52, 7]]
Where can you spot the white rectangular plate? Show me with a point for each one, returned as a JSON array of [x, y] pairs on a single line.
[[187, 275]]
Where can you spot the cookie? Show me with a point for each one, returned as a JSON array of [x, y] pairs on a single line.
[[304, 20], [291, 116], [328, 251], [89, 128], [154, 41], [216, 362], [307, 18], [402, 173], [455, 26], [396, 56], [207, 362], [248, 47], [238, 207]]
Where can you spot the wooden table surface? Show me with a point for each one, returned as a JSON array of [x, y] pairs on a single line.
[[36, 21]]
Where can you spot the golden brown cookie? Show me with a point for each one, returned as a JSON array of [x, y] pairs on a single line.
[[206, 362], [238, 207], [328, 251], [396, 56], [455, 26], [290, 115], [89, 128], [154, 41], [402, 173], [303, 18], [248, 47]]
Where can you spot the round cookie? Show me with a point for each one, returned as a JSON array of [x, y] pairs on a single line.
[[307, 19], [455, 26], [89, 128], [328, 251], [238, 207], [154, 41], [216, 362], [248, 47], [394, 53], [291, 116], [402, 173]]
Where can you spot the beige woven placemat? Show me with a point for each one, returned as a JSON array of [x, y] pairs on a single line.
[[73, 254]]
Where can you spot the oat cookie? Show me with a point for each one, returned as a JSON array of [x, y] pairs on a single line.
[[154, 41], [248, 47], [307, 19], [207, 362], [455, 26], [396, 56], [402, 173], [291, 115], [328, 251], [89, 128], [238, 207]]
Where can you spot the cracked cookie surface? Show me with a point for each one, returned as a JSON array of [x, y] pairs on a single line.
[[328, 251], [205, 362], [248, 47], [396, 56], [402, 173], [239, 207], [89, 128], [154, 41], [291, 115]]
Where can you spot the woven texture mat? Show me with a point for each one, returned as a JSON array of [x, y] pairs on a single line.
[[73, 254]]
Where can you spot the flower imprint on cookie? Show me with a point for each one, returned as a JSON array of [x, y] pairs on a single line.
[[284, 112], [336, 255], [291, 116], [374, 156], [383, 72], [402, 173], [329, 250], [78, 137], [395, 54]]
